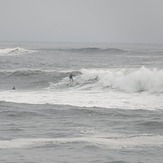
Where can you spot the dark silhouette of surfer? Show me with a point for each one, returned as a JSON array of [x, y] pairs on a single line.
[[71, 77], [13, 88]]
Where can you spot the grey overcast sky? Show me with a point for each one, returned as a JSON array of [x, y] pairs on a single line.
[[121, 21]]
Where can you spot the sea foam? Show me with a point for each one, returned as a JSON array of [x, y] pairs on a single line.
[[110, 142], [128, 80], [14, 51]]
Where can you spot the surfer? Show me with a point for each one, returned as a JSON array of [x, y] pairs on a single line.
[[13, 88], [71, 77]]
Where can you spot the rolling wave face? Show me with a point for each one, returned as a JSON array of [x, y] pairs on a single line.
[[29, 79], [14, 51]]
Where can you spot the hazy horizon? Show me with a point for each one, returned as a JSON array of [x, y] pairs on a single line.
[[91, 21]]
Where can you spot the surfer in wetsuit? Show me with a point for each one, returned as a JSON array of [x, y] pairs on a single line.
[[13, 88], [71, 77]]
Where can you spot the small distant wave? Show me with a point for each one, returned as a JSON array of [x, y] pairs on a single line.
[[92, 50], [14, 51]]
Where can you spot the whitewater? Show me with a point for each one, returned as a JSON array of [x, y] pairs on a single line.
[[111, 112]]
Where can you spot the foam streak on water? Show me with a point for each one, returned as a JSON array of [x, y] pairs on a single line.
[[110, 142], [86, 99]]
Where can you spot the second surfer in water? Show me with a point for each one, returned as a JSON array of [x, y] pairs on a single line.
[[13, 88]]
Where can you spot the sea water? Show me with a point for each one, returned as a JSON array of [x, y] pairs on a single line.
[[112, 112]]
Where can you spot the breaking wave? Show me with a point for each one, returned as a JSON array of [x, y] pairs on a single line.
[[14, 51], [125, 79], [109, 88], [128, 80]]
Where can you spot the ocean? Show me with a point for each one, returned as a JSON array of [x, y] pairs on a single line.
[[112, 112]]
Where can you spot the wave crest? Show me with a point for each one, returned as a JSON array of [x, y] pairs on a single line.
[[129, 80], [14, 51]]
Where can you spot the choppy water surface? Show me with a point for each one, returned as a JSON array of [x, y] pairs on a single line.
[[111, 112]]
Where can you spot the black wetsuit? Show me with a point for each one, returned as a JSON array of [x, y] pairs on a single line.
[[71, 77]]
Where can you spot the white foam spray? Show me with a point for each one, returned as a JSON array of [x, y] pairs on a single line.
[[128, 80], [14, 51]]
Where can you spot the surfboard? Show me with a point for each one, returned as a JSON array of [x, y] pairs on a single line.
[[70, 84]]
